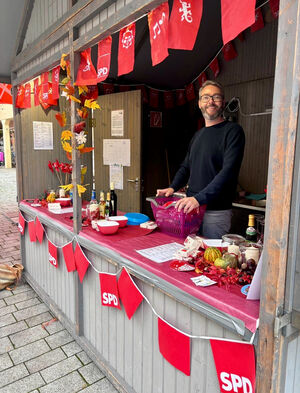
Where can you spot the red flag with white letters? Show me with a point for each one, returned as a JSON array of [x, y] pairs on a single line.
[[27, 96], [259, 21], [21, 224], [126, 49], [5, 93], [109, 290], [55, 82], [52, 254], [103, 62], [20, 97], [214, 66], [36, 92], [229, 51], [86, 74], [274, 5], [44, 84], [235, 365], [158, 20], [184, 23]]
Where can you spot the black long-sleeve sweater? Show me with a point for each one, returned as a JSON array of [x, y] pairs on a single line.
[[212, 165]]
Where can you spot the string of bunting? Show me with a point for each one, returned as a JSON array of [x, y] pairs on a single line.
[[174, 344]]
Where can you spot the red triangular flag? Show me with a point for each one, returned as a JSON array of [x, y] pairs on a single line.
[[174, 346], [45, 87], [108, 88], [46, 99], [55, 82], [31, 230], [5, 93], [190, 92], [123, 88], [168, 99], [36, 92], [39, 230], [126, 49], [27, 96], [21, 224], [235, 365], [130, 295], [103, 62], [214, 66], [202, 78], [109, 290], [153, 98], [86, 74], [158, 27], [81, 262], [241, 37], [274, 5], [259, 21], [144, 93], [52, 249], [184, 23], [229, 51], [20, 97], [236, 16], [180, 97], [69, 257], [92, 94]]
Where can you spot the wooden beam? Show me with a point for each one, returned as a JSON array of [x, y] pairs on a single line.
[[28, 7]]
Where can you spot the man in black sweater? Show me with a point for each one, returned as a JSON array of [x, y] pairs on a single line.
[[212, 165]]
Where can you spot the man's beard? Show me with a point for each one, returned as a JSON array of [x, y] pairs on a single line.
[[211, 117]]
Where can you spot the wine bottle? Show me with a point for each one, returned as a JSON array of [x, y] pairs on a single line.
[[108, 210], [251, 234], [113, 199], [102, 206], [93, 208]]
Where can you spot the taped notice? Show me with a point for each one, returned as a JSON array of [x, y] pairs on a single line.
[[116, 151]]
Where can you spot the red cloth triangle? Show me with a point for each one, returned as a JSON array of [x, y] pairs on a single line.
[[69, 257], [86, 74], [130, 296], [126, 49], [36, 92], [103, 62], [31, 230], [39, 230], [21, 224], [229, 51], [20, 97], [158, 20], [109, 290], [5, 93], [81, 262], [55, 82], [52, 254]]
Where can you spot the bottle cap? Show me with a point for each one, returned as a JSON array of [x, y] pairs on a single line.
[[112, 185]]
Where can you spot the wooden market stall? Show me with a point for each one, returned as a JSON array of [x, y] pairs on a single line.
[[267, 86]]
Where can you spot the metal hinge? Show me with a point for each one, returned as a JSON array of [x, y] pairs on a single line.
[[282, 321]]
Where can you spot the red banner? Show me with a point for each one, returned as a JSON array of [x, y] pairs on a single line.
[[202, 78], [274, 5], [123, 88], [235, 365], [190, 92], [158, 27], [108, 88], [236, 16], [229, 51], [81, 262], [44, 83], [180, 97], [69, 257], [184, 23], [259, 21], [86, 74], [103, 62], [144, 93], [52, 254], [109, 290], [31, 230], [153, 98], [130, 295], [46, 99], [169, 99], [39, 230], [20, 96], [126, 49], [36, 92], [92, 94], [55, 82], [5, 93], [27, 96], [21, 224], [214, 66]]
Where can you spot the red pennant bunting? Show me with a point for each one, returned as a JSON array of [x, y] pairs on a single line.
[[27, 96], [109, 290], [202, 78], [46, 99], [52, 254], [92, 94], [126, 49], [130, 295], [123, 88], [184, 23], [158, 27], [241, 37], [39, 230], [169, 99], [108, 88], [86, 74], [103, 62], [144, 93], [180, 97], [236, 16], [274, 5], [55, 82], [31, 230], [229, 51], [235, 365], [214, 66], [5, 93], [45, 87], [20, 97], [153, 98], [69, 257], [259, 21], [81, 262], [21, 224], [36, 92], [190, 92], [174, 346]]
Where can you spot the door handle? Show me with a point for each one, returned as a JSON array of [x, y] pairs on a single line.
[[136, 180]]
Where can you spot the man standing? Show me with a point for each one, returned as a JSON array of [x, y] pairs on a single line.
[[212, 165]]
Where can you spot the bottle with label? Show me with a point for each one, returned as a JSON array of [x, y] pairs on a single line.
[[102, 206], [93, 208], [113, 199], [251, 233], [108, 209]]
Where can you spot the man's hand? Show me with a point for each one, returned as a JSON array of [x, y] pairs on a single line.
[[187, 204], [165, 192]]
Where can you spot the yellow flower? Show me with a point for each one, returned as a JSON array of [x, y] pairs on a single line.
[[82, 89], [81, 189], [66, 135], [91, 104], [67, 187], [74, 99], [66, 146], [63, 62]]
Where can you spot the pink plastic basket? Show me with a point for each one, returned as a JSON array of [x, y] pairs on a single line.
[[171, 221]]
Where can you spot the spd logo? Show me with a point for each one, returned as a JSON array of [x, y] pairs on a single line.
[[235, 383]]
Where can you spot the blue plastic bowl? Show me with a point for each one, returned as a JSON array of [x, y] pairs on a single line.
[[136, 218]]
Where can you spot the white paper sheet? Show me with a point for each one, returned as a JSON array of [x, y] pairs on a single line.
[[117, 122], [160, 254], [42, 135], [116, 176], [116, 151], [254, 289]]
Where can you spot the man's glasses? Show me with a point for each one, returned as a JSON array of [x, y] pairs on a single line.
[[215, 98]]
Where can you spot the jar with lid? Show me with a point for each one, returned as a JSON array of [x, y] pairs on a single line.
[[251, 251], [233, 242]]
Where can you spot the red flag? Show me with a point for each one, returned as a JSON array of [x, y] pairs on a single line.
[[92, 94], [214, 66], [236, 16], [5, 93], [46, 99], [69, 257], [184, 23], [235, 365], [169, 99], [180, 97], [241, 37], [52, 254], [259, 21], [202, 78], [108, 88], [109, 290], [31, 230], [39, 230], [123, 88], [190, 92], [158, 27], [36, 92], [81, 262], [274, 5], [130, 295], [153, 98], [21, 224], [126, 49], [103, 62], [55, 82], [44, 83], [86, 74], [20, 97], [174, 346], [27, 96], [229, 51], [144, 93]]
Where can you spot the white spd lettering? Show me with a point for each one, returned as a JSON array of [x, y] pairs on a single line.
[[109, 298], [232, 383], [102, 71], [20, 227], [52, 260]]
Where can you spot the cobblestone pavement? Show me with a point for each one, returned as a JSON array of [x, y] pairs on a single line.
[[36, 353]]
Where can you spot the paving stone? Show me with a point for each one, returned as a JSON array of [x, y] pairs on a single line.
[[2, 303], [45, 360], [7, 319], [38, 319], [29, 351], [5, 362], [12, 374], [54, 327], [13, 328], [7, 309], [30, 311], [91, 373], [22, 288], [28, 336], [103, 386], [84, 358], [71, 348], [59, 339], [25, 385], [5, 294], [71, 383], [61, 369], [27, 303], [5, 345], [20, 297]]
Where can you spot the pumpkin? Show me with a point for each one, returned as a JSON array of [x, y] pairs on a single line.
[[211, 254]]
